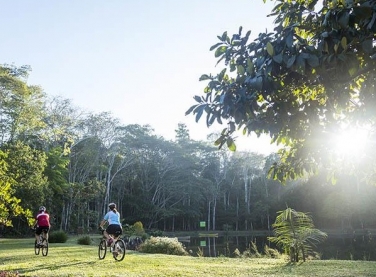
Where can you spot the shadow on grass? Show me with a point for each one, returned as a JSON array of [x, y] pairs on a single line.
[[56, 266]]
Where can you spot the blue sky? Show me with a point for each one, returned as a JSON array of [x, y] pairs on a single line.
[[138, 59]]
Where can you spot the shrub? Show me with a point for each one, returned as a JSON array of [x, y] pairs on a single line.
[[138, 228], [57, 237], [295, 233], [237, 253], [155, 233], [271, 252], [254, 249], [163, 245], [85, 240], [200, 252]]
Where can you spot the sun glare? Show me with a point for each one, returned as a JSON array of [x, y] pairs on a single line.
[[351, 142]]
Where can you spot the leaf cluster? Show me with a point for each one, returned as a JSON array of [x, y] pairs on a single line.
[[294, 232], [297, 83]]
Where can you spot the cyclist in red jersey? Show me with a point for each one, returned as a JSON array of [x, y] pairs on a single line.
[[42, 223]]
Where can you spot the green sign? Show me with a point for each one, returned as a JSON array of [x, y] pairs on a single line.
[[202, 224], [203, 243]]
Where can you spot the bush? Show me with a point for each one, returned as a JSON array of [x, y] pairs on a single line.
[[271, 252], [237, 253], [254, 251], [57, 237], [86, 240], [163, 245], [139, 228], [155, 233]]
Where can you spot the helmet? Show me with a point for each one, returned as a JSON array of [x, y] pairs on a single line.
[[112, 205], [42, 208]]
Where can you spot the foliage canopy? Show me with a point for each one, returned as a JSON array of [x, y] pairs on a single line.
[[300, 83]]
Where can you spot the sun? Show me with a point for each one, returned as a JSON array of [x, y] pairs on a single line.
[[351, 141]]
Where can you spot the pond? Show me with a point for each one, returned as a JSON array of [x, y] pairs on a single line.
[[344, 247]]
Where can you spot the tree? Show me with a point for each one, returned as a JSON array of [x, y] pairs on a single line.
[[295, 232], [300, 84], [10, 206], [182, 133], [26, 167], [21, 112], [21, 105]]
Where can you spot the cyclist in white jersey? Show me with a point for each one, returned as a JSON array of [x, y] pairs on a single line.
[[114, 225]]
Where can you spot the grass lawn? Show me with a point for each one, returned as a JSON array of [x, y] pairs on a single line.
[[71, 259]]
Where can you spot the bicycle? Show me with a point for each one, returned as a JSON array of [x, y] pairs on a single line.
[[117, 247], [42, 243]]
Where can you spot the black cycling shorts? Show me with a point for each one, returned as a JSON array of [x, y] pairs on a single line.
[[114, 229], [41, 229]]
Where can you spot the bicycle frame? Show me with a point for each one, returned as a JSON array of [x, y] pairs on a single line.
[[117, 247], [41, 243]]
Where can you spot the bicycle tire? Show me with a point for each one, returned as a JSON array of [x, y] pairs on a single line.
[[44, 247], [102, 249], [119, 250]]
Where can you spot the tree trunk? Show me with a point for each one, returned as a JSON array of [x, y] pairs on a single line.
[[209, 207], [214, 212]]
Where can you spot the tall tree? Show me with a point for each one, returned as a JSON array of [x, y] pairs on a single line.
[[21, 112], [21, 105], [26, 167], [182, 133]]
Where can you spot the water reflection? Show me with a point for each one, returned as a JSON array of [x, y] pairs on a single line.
[[335, 247], [212, 246]]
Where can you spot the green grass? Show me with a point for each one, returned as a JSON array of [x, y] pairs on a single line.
[[70, 259]]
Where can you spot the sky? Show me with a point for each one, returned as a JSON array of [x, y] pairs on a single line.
[[140, 60]]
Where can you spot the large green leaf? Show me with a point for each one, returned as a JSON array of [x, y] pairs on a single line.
[[313, 60], [204, 77], [220, 51], [270, 49], [231, 144], [215, 45], [278, 58], [290, 61]]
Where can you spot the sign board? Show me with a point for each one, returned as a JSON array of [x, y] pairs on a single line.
[[203, 243], [202, 224]]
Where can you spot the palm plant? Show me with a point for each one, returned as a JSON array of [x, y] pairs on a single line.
[[295, 233]]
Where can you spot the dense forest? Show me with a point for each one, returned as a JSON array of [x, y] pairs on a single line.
[[75, 163]]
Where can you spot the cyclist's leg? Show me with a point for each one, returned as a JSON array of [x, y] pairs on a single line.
[[111, 233], [45, 233], [106, 234], [118, 231], [38, 231]]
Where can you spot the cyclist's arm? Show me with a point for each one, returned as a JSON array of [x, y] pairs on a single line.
[[103, 222]]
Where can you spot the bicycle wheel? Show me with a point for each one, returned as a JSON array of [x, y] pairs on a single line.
[[119, 250], [36, 248], [102, 249], [44, 247]]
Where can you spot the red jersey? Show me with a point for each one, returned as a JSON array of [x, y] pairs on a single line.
[[43, 219]]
